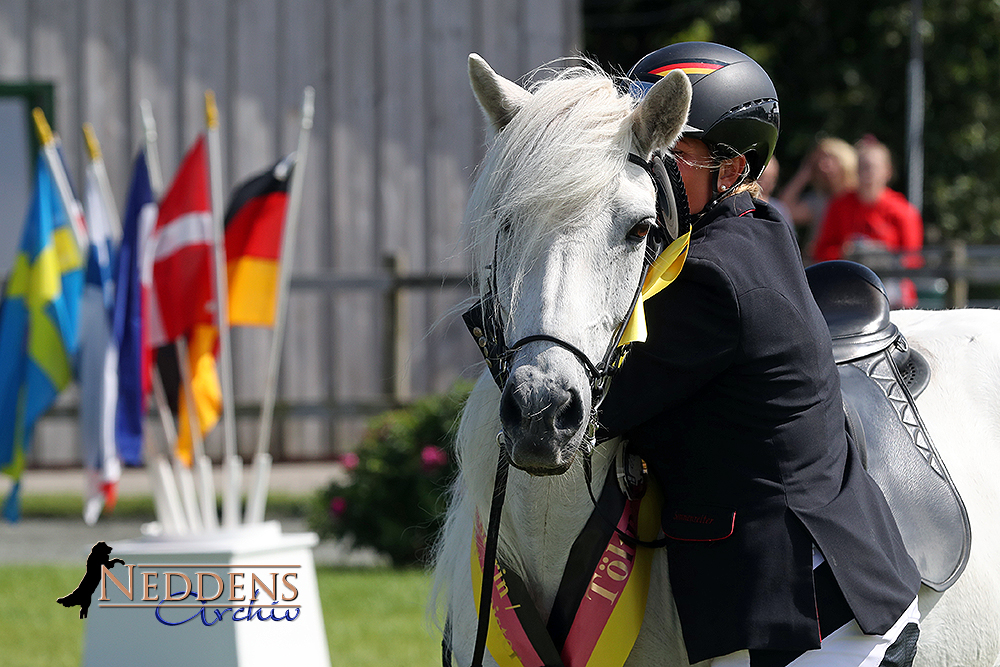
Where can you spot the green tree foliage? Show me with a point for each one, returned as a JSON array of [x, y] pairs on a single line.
[[840, 69]]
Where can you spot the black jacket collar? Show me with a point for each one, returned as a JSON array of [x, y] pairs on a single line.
[[735, 206]]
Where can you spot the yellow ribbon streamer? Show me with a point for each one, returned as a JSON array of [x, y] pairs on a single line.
[[663, 271]]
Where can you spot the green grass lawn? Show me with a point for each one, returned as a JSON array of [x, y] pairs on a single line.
[[373, 617]]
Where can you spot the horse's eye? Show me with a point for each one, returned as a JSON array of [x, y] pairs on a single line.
[[641, 230]]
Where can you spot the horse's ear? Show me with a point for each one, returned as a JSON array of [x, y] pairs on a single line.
[[499, 98], [658, 120]]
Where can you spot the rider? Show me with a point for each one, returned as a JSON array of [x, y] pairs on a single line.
[[779, 538]]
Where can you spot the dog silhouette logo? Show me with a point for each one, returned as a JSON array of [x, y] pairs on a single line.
[[85, 591]]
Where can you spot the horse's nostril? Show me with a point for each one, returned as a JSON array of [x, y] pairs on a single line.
[[510, 410], [570, 414]]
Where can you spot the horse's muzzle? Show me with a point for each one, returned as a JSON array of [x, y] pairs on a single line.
[[543, 419]]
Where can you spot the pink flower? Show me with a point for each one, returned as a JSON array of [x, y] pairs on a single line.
[[433, 458], [349, 460], [338, 505]]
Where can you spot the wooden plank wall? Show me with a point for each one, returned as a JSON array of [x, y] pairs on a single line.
[[396, 137]]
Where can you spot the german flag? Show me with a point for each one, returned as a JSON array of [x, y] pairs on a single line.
[[254, 222]]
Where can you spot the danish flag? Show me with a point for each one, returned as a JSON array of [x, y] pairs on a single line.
[[179, 264]]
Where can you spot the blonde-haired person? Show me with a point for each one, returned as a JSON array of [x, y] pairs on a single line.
[[874, 217], [830, 170]]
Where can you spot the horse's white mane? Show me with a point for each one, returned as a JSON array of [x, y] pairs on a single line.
[[550, 166]]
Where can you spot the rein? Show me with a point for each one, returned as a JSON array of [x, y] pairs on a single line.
[[486, 326]]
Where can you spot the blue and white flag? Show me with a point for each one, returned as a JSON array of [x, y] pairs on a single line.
[[98, 369], [128, 322]]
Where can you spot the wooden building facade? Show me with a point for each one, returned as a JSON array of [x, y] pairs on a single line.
[[395, 140]]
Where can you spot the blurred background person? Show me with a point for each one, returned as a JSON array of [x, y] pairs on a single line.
[[874, 219], [768, 181], [829, 171]]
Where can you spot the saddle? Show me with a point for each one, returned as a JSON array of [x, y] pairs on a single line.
[[881, 376]]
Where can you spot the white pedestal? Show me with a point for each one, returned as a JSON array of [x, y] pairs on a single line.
[[133, 635]]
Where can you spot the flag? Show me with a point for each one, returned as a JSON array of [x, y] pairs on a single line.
[[206, 391], [181, 252], [182, 296], [134, 379], [254, 220], [38, 324], [98, 370]]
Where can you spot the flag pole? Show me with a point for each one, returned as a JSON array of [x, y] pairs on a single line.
[[232, 465], [97, 160], [202, 464], [152, 151], [261, 470], [163, 475], [185, 476], [60, 176], [169, 509]]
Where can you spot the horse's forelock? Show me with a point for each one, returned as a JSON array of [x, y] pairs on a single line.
[[552, 165]]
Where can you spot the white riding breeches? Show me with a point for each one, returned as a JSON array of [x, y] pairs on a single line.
[[845, 647]]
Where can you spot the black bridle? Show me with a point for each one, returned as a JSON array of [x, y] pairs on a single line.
[[486, 326], [485, 323]]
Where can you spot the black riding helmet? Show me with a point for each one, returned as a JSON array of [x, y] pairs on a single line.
[[734, 107]]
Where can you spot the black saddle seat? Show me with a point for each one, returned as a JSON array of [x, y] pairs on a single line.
[[855, 306]]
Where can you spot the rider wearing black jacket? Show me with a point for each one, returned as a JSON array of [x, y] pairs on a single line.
[[734, 402]]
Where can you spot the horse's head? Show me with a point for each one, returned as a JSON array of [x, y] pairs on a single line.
[[559, 218]]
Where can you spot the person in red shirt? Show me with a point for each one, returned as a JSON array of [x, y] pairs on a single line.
[[873, 217]]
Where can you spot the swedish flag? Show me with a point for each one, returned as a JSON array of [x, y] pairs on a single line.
[[38, 325]]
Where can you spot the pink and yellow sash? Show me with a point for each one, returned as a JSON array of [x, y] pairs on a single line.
[[601, 600]]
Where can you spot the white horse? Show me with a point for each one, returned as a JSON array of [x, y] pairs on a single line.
[[557, 215]]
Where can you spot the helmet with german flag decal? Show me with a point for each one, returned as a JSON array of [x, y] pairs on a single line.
[[734, 107]]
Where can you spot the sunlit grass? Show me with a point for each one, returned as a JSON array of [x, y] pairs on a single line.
[[35, 630]]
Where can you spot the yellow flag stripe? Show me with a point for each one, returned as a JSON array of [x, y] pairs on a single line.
[[46, 349], [206, 391], [253, 291], [67, 250], [20, 277], [45, 280]]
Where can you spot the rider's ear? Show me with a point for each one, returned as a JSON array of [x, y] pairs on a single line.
[[731, 170], [658, 120], [499, 98]]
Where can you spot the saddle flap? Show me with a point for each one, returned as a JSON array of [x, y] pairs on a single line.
[[903, 461]]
